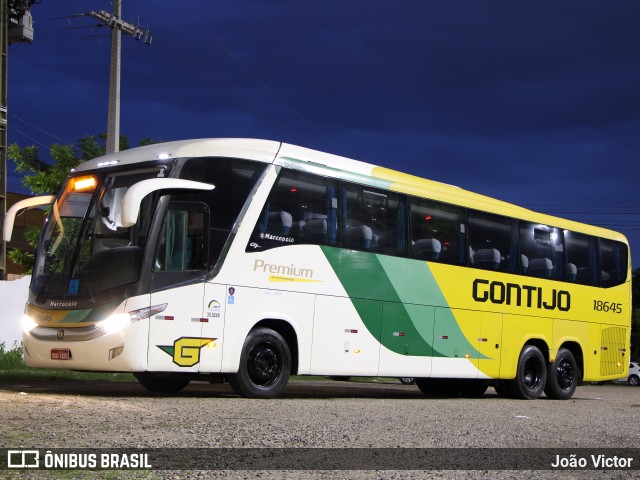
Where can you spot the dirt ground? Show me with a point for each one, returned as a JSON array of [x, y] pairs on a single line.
[[319, 415]]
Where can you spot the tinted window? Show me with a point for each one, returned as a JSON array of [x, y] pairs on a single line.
[[491, 242], [581, 252], [437, 232], [234, 179], [613, 263], [300, 209], [374, 220], [541, 250]]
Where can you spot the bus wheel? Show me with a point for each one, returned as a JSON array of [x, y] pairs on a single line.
[[439, 387], [562, 379], [531, 376], [503, 388], [162, 382], [265, 364], [473, 388]]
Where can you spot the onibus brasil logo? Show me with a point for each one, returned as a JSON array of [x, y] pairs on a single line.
[[186, 350]]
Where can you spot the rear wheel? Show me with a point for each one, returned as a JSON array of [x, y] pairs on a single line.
[[162, 382], [265, 365], [562, 378], [634, 380], [531, 376]]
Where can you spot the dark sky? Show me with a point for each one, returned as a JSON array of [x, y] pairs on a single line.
[[532, 102]]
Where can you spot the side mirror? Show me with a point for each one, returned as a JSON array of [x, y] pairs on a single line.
[[10, 218], [132, 199]]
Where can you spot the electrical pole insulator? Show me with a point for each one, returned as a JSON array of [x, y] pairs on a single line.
[[111, 21]]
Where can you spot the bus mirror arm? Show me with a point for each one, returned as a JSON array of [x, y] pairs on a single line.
[[9, 219], [133, 198]]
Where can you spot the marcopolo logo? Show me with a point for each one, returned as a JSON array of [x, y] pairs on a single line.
[[186, 350], [520, 295]]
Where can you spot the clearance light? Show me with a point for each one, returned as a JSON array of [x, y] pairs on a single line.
[[110, 163], [84, 183], [28, 323]]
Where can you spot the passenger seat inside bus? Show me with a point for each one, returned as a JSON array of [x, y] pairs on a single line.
[[427, 249], [572, 272], [540, 267], [359, 237], [315, 230], [488, 258], [280, 223]]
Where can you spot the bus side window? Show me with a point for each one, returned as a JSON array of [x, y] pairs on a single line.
[[581, 251], [613, 263], [301, 209], [437, 232], [492, 243], [544, 249], [182, 242], [373, 220]]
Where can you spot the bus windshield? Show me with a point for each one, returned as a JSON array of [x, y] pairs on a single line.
[[85, 250]]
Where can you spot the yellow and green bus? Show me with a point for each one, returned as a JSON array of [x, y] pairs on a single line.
[[252, 260]]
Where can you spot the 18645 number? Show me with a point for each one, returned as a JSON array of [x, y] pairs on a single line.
[[600, 306]]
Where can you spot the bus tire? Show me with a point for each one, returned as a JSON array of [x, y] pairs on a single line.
[[265, 365], [439, 387], [162, 382], [562, 378], [503, 388], [473, 388], [531, 376]]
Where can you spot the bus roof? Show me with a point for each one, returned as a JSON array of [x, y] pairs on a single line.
[[306, 159]]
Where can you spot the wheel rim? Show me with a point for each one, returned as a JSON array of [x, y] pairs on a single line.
[[565, 374], [532, 377], [264, 365]]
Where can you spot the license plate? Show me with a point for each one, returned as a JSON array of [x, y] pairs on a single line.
[[60, 354]]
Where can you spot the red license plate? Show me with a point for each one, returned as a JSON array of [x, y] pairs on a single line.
[[60, 354]]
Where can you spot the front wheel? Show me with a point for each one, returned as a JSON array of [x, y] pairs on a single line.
[[531, 376], [563, 375], [634, 380], [265, 365]]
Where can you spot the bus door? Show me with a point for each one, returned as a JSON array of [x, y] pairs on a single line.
[[177, 280]]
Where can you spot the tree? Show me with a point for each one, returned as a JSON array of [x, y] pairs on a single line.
[[43, 178]]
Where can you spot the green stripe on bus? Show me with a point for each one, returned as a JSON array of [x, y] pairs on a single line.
[[409, 293]]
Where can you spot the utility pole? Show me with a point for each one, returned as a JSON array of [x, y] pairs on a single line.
[[118, 27], [16, 25]]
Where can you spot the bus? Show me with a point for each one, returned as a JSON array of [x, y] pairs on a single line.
[[248, 261]]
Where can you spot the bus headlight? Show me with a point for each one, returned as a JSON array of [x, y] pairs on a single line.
[[114, 322], [120, 320], [28, 323]]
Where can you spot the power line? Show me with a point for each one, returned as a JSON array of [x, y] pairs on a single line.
[[259, 81]]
